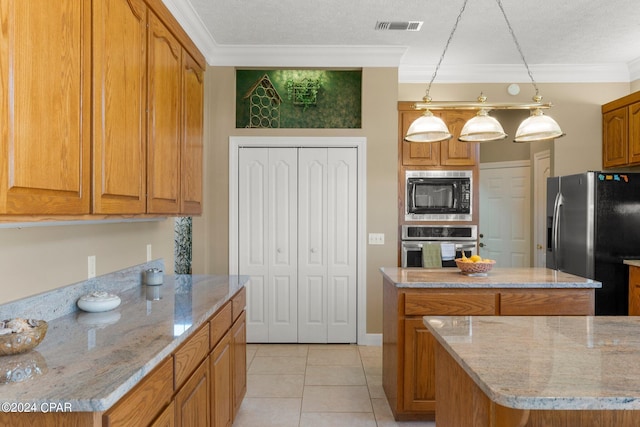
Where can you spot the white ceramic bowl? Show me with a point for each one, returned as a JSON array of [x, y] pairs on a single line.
[[98, 301]]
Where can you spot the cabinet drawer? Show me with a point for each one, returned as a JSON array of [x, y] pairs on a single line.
[[576, 302], [445, 303], [220, 324], [190, 355], [239, 302], [145, 401]]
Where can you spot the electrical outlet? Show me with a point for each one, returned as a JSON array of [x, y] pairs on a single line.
[[149, 252], [91, 264], [376, 238]]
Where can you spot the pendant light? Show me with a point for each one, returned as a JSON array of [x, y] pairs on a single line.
[[482, 127], [428, 128]]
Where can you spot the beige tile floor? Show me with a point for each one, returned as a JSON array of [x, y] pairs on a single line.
[[300, 385]]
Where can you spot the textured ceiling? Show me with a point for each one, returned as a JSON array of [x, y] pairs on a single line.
[[569, 40]]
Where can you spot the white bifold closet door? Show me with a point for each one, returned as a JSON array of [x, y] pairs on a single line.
[[327, 202], [297, 242], [267, 241]]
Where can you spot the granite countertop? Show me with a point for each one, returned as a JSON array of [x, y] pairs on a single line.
[[88, 361], [547, 362], [496, 278]]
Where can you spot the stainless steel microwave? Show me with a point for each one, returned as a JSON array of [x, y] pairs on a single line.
[[439, 195]]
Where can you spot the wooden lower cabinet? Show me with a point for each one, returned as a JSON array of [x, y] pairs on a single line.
[[192, 401], [634, 291], [239, 355], [145, 401], [408, 373], [166, 418], [419, 389], [221, 381]]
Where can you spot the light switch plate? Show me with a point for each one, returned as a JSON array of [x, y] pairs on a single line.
[[376, 238]]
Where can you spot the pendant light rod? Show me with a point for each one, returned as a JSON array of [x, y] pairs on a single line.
[[515, 41], [475, 105], [427, 98]]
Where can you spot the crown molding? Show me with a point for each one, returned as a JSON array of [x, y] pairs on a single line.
[[634, 69], [306, 56]]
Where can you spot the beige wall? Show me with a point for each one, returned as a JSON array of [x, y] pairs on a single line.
[[379, 126], [39, 259]]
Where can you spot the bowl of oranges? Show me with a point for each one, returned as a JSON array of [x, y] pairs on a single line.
[[475, 264]]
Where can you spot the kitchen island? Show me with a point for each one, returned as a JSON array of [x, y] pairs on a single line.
[[170, 352], [535, 371], [411, 293]]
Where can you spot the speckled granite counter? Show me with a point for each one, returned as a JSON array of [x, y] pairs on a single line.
[[90, 360], [496, 278], [551, 363]]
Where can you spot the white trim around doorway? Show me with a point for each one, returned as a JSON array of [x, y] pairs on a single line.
[[360, 143]]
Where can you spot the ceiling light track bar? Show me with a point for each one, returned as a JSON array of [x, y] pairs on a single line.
[[474, 105]]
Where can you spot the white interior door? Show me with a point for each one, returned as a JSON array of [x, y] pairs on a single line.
[[297, 227], [312, 239], [342, 245], [267, 238], [327, 237], [505, 213]]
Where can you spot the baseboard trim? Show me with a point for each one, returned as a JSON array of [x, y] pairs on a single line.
[[372, 340]]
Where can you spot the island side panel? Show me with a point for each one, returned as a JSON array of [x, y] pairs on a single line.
[[392, 350]]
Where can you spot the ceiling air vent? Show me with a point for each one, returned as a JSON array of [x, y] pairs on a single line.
[[399, 25]]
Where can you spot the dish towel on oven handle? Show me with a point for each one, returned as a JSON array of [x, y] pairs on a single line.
[[431, 255], [448, 251]]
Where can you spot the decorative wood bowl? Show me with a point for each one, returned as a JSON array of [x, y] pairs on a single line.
[[24, 340], [474, 267]]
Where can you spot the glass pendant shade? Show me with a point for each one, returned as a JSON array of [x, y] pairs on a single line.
[[538, 127], [427, 128], [482, 128]]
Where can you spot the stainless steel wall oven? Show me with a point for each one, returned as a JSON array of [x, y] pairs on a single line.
[[455, 239]]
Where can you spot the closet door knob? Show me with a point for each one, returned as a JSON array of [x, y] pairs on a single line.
[[313, 250]]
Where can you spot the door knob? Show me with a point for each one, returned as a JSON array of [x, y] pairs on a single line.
[[481, 235], [481, 245], [313, 250]]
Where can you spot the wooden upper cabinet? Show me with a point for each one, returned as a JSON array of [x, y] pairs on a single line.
[[119, 106], [444, 153], [416, 154], [621, 132], [633, 112], [614, 138], [164, 119], [45, 140], [454, 152], [192, 128]]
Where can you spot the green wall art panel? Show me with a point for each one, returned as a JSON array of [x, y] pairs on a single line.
[[299, 99]]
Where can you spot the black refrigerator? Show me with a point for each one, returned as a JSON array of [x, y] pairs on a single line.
[[593, 225]]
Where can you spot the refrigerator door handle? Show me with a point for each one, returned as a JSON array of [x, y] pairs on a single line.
[[555, 229]]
